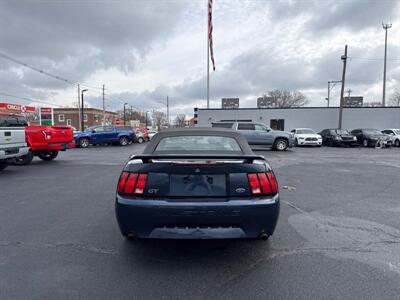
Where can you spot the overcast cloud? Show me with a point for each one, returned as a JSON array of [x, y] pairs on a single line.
[[145, 50]]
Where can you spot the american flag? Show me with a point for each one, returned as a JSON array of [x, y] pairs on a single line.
[[210, 29]]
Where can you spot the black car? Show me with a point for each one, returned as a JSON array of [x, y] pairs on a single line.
[[368, 137], [336, 137], [197, 183]]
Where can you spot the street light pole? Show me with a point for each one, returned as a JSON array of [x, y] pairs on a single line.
[[125, 113], [82, 110], [146, 119], [385, 27], [168, 110]]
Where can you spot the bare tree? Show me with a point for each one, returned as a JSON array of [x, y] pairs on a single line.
[[159, 118], [284, 98], [395, 100], [179, 120]]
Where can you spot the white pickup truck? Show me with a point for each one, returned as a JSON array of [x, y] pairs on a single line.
[[12, 141]]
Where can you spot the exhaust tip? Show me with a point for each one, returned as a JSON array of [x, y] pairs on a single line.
[[263, 236], [131, 236]]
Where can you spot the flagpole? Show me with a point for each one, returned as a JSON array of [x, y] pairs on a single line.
[[208, 56]]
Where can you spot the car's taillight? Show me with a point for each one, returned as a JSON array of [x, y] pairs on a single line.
[[141, 184], [132, 183], [254, 184], [263, 183]]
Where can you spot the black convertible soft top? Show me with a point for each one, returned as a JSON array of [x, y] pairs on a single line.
[[200, 131]]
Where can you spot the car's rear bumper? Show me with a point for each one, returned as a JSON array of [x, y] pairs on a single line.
[[197, 220], [54, 146], [13, 152]]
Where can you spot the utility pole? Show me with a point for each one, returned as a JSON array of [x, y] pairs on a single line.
[[79, 106], [385, 27], [168, 110], [333, 82], [104, 107], [344, 59]]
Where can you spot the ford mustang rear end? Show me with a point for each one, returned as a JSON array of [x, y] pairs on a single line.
[[197, 184]]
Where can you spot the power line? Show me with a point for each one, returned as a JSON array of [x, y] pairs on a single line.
[[5, 56], [36, 69], [370, 58], [27, 99]]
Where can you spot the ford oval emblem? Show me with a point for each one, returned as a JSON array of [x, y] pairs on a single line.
[[240, 190]]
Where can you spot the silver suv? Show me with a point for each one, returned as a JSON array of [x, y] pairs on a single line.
[[260, 134]]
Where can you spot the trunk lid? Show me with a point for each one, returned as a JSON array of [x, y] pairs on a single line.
[[198, 179]]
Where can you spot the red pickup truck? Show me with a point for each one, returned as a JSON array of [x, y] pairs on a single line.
[[43, 141]]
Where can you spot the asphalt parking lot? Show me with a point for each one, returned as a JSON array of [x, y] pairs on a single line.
[[338, 236]]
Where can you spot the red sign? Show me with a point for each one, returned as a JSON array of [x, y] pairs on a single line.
[[17, 107], [117, 122], [46, 110]]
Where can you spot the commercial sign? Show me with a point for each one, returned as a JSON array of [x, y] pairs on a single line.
[[16, 108], [230, 103], [46, 116]]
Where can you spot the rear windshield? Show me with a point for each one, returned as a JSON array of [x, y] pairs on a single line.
[[13, 121], [199, 144]]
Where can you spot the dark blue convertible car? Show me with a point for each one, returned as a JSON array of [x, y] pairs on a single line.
[[197, 183], [104, 135]]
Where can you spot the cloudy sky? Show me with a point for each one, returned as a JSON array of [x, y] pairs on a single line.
[[145, 50]]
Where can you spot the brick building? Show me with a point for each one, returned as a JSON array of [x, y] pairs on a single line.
[[92, 117]]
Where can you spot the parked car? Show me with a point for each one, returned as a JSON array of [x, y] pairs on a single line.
[[306, 136], [368, 137], [104, 135], [336, 137], [140, 138], [12, 140], [197, 183], [260, 134], [43, 141], [395, 136], [151, 133]]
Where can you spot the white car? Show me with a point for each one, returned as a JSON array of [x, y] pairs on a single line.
[[152, 133], [306, 136], [394, 136]]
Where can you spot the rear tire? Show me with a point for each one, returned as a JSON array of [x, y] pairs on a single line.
[[123, 141], [47, 156], [3, 165], [84, 142], [24, 160], [281, 145], [397, 143], [140, 140], [365, 143]]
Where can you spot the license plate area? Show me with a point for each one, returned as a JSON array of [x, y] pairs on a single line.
[[198, 185]]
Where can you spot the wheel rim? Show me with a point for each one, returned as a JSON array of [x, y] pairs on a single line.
[[397, 143], [365, 143], [140, 140], [84, 143], [124, 141], [281, 145]]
